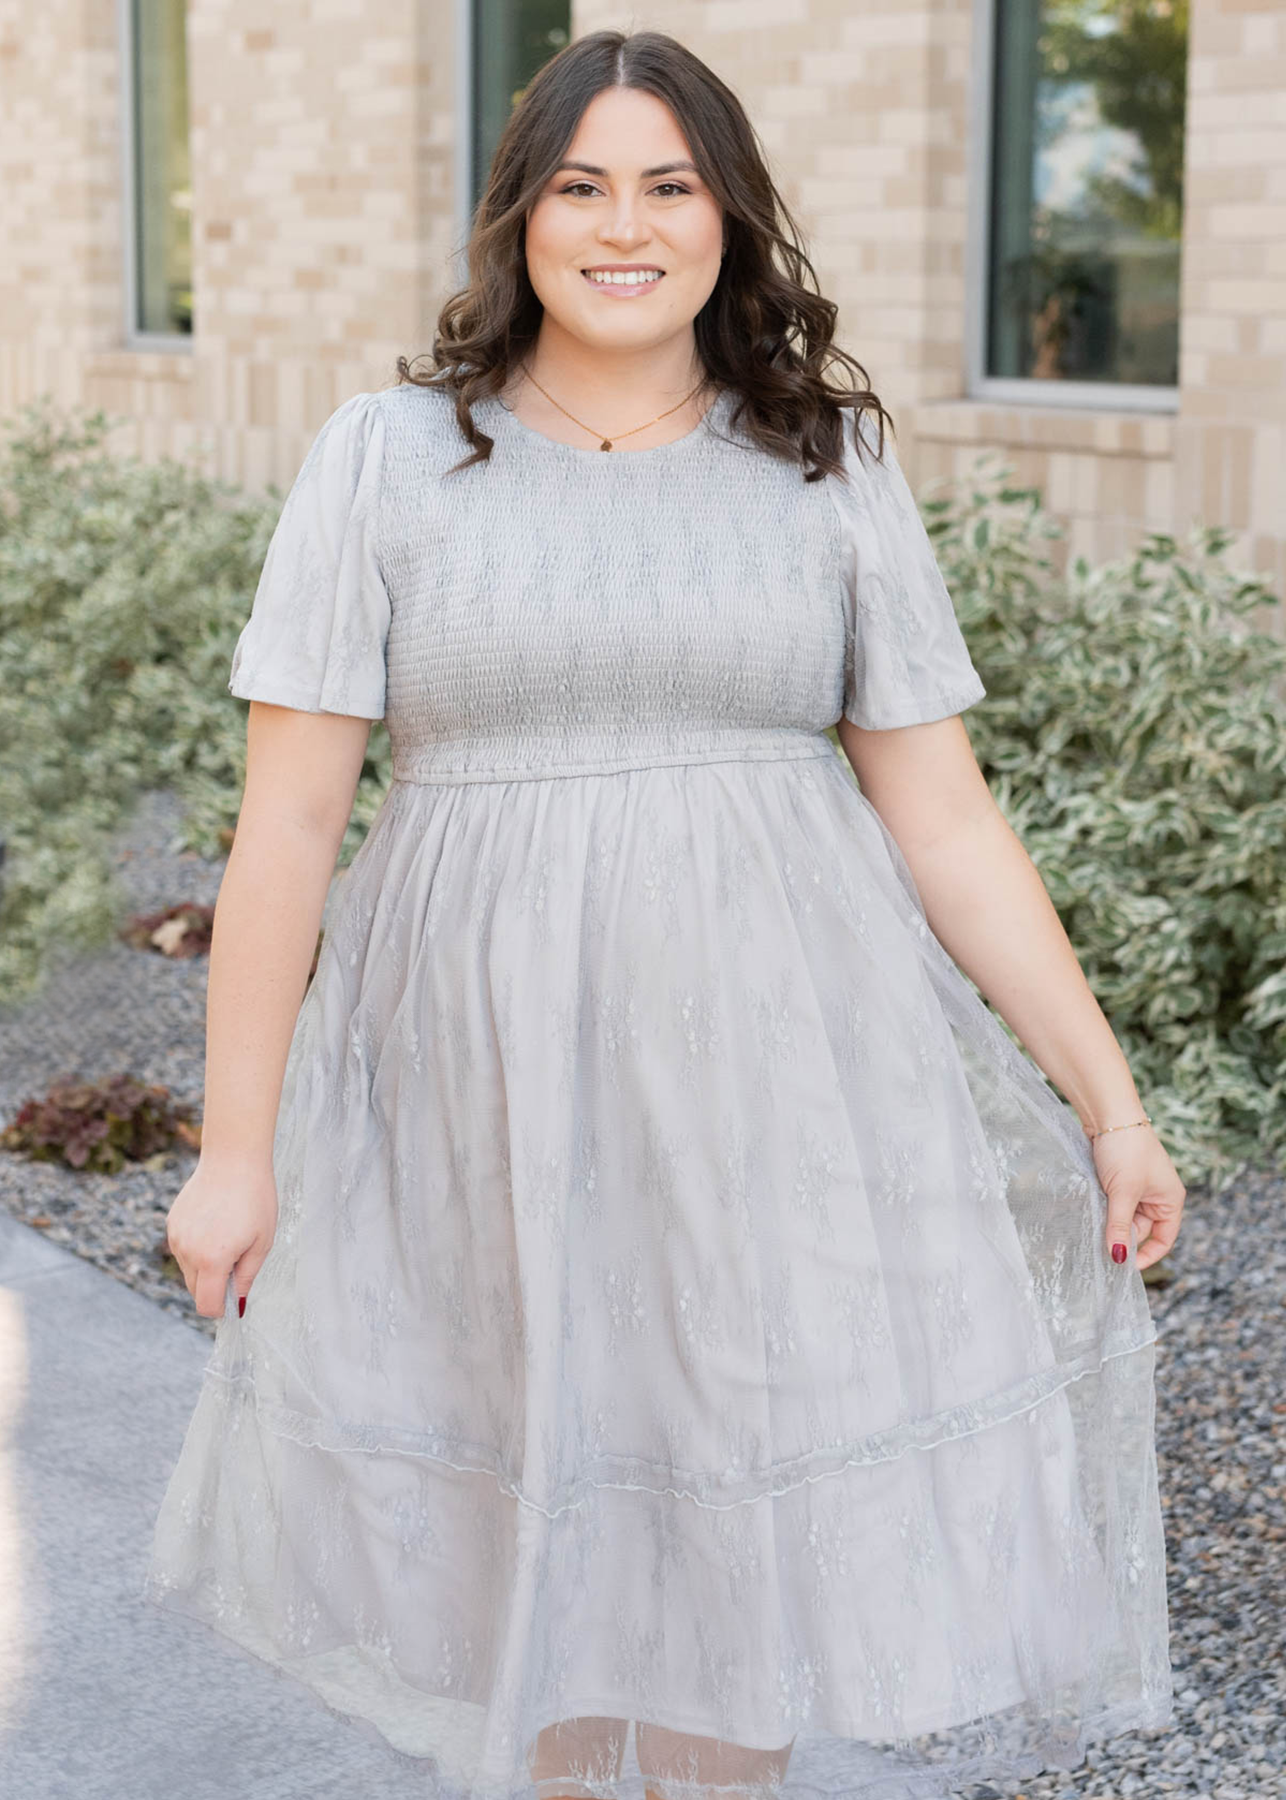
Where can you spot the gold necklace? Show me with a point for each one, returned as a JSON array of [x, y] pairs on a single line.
[[606, 443]]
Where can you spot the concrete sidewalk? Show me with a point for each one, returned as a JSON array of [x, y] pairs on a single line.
[[102, 1695]]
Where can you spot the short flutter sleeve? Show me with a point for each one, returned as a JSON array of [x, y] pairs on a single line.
[[905, 660], [317, 633]]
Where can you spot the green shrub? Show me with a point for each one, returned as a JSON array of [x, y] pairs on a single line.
[[123, 586], [1134, 735]]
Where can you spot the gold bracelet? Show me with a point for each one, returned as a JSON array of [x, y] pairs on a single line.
[[1145, 1120]]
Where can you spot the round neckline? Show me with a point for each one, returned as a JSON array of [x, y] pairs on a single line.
[[689, 437]]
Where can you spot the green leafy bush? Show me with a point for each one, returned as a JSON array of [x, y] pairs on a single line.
[[1134, 735], [123, 586]]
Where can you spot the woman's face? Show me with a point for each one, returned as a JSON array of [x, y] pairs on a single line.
[[626, 197]]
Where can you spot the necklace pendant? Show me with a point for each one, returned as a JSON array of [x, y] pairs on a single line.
[[606, 444]]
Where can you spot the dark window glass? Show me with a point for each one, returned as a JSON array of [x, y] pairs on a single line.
[[1087, 190], [162, 182], [511, 39]]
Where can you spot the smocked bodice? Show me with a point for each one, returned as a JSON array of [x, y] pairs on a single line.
[[557, 611]]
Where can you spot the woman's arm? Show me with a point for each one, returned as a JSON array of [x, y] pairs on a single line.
[[301, 774], [988, 907]]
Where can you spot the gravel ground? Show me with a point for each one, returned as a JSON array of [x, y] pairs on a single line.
[[1221, 1405], [118, 1010]]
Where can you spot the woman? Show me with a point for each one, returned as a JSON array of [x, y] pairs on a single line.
[[687, 1305]]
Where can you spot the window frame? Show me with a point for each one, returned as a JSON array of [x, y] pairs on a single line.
[[465, 75], [1020, 390], [134, 336]]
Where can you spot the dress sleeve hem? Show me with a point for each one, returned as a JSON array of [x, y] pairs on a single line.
[[297, 699], [925, 711]]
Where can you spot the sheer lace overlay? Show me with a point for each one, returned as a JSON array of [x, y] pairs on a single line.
[[688, 1361]]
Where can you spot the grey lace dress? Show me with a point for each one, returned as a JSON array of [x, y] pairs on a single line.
[[689, 1357]]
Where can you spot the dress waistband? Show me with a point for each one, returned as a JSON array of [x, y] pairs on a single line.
[[532, 757]]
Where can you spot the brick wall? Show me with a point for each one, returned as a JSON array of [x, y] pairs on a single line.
[[324, 161], [59, 195], [1231, 431], [865, 111]]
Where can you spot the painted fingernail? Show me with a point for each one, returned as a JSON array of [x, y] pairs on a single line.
[[1119, 1253], [241, 1302]]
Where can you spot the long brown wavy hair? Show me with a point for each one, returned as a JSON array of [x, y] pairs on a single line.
[[765, 332]]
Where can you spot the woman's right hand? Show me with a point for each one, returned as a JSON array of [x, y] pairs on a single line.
[[222, 1219]]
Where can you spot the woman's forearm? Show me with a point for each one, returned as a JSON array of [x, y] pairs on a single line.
[[988, 907], [265, 931]]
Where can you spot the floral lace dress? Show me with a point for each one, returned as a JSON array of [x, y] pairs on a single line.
[[689, 1357]]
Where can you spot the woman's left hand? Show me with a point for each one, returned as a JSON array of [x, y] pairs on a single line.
[[1143, 1185]]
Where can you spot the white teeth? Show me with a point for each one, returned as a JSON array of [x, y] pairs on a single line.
[[630, 278]]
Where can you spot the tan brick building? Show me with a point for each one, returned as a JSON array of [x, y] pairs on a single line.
[[219, 220]]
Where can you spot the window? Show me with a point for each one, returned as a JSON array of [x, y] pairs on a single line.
[[158, 182], [1084, 198], [511, 40]]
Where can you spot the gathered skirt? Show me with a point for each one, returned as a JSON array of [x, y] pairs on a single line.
[[689, 1357]]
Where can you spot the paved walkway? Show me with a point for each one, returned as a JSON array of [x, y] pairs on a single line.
[[103, 1696]]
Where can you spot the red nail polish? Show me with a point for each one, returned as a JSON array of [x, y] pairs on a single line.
[[1119, 1253], [241, 1303]]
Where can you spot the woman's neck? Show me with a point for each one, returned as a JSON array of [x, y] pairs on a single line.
[[664, 390]]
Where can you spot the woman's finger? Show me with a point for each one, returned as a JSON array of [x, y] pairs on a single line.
[[1160, 1241]]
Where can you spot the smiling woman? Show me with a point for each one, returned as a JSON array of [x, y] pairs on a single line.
[[646, 230], [640, 160], [689, 1363]]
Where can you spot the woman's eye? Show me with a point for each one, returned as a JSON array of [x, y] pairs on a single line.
[[676, 186]]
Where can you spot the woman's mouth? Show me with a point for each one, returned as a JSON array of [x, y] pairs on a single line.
[[624, 284]]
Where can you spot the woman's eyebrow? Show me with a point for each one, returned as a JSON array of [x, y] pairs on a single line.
[[670, 168]]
